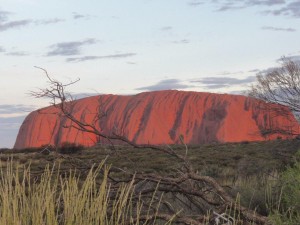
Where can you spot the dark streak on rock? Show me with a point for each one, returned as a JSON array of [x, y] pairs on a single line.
[[144, 119], [173, 132], [211, 123]]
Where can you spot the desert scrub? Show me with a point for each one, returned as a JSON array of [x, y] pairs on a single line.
[[53, 199], [287, 207], [70, 148]]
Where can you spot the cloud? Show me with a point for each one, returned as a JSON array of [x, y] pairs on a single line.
[[83, 95], [226, 73], [226, 5], [48, 21], [77, 16], [182, 41], [268, 70], [2, 49], [11, 118], [7, 109], [69, 48], [291, 9], [9, 128], [88, 58], [195, 3], [230, 6], [294, 58], [131, 63], [6, 24], [166, 28], [14, 24], [278, 29], [168, 84], [264, 2], [223, 82], [4, 15], [17, 53], [241, 92], [254, 71], [11, 122]]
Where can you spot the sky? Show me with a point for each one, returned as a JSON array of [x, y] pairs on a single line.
[[131, 46]]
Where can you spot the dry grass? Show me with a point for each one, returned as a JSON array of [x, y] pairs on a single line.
[[55, 199], [247, 169]]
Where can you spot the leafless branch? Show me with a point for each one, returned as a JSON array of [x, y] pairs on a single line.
[[169, 194], [280, 86]]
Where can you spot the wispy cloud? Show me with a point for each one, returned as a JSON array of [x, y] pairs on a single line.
[[11, 122], [294, 58], [77, 16], [83, 95], [6, 23], [230, 6], [131, 63], [7, 109], [69, 48], [166, 28], [167, 84], [11, 118], [88, 58], [291, 9], [241, 92], [9, 128], [268, 70], [48, 21], [233, 5], [223, 82], [14, 24], [196, 3], [4, 15], [264, 2], [17, 53], [226, 73], [182, 41], [254, 71], [226, 5], [282, 7], [278, 29]]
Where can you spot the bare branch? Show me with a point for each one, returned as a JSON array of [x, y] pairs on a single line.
[[280, 86], [187, 189]]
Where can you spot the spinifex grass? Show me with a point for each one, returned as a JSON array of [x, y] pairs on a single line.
[[63, 199]]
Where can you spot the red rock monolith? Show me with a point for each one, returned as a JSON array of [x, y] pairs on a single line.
[[161, 117]]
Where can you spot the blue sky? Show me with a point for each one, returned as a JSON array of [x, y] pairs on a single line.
[[130, 46]]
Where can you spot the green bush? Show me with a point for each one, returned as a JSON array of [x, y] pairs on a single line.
[[291, 187], [288, 203]]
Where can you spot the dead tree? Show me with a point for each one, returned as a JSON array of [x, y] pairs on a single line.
[[280, 85], [163, 196]]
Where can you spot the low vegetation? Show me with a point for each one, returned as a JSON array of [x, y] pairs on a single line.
[[243, 183], [39, 187], [54, 199]]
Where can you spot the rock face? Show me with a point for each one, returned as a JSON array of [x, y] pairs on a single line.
[[162, 117]]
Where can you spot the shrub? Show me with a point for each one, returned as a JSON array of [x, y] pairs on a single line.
[[70, 148], [212, 171], [287, 210], [291, 187]]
